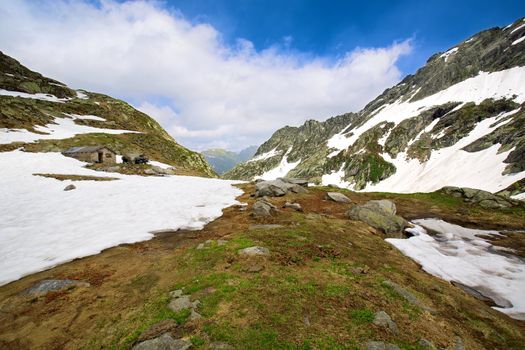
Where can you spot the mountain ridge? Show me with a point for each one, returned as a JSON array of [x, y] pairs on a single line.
[[425, 114]]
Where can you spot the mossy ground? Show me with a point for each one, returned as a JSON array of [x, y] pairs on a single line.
[[309, 293]]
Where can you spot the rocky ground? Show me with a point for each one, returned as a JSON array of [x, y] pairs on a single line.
[[287, 272]]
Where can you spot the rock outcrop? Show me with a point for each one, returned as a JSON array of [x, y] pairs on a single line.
[[482, 198], [380, 214]]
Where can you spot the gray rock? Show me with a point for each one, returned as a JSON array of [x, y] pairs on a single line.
[[112, 169], [200, 246], [70, 187], [221, 242], [427, 345], [337, 197], [195, 315], [294, 206], [458, 345], [273, 188], [164, 342], [45, 286], [298, 189], [181, 303], [150, 172], [220, 345], [262, 208], [383, 205], [411, 298], [379, 214], [176, 293], [482, 198], [300, 182], [382, 319], [379, 345], [253, 251]]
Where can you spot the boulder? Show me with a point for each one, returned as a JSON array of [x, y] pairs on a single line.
[[379, 345], [273, 188], [158, 329], [337, 197], [294, 206], [254, 251], [482, 198], [181, 303], [280, 187], [379, 214], [300, 182], [45, 286], [69, 187], [382, 319], [426, 344], [164, 342], [263, 208]]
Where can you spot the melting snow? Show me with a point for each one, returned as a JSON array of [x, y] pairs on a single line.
[[266, 155], [160, 165], [515, 42], [63, 129], [448, 53], [476, 89], [452, 166], [43, 97], [281, 170], [43, 226], [336, 178], [459, 254], [518, 28]]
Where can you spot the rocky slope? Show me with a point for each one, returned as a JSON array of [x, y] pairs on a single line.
[[33, 105], [223, 160], [457, 121]]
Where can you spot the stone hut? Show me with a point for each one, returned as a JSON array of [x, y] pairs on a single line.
[[92, 154]]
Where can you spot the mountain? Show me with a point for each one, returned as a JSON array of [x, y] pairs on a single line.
[[44, 115], [223, 160], [459, 120]]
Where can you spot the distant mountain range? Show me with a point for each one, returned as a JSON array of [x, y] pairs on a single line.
[[223, 160], [458, 121]]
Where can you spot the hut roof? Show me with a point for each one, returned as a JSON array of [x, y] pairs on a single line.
[[87, 149]]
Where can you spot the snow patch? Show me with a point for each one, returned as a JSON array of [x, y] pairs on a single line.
[[460, 254], [516, 29], [447, 54], [515, 42], [485, 85], [62, 129], [336, 178], [39, 96], [266, 155], [160, 165], [57, 226], [281, 170], [452, 166]]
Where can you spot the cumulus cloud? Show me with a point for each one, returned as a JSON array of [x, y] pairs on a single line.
[[212, 93]]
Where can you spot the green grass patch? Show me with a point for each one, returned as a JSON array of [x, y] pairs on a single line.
[[362, 316]]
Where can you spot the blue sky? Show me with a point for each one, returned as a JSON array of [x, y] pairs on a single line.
[[229, 73], [333, 27]]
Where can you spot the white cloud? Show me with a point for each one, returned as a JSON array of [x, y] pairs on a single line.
[[223, 94]]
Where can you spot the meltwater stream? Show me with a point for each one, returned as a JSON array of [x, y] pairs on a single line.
[[463, 255]]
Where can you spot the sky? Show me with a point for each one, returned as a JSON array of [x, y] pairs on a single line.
[[228, 73]]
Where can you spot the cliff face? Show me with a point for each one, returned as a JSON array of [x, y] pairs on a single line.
[[457, 118]]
